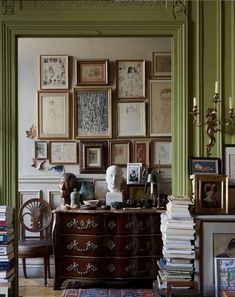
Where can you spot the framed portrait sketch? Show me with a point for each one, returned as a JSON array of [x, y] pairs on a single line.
[[160, 108], [53, 115], [63, 152], [41, 151], [92, 72], [54, 72], [131, 119], [161, 65], [93, 156], [92, 113], [199, 165], [161, 152], [211, 194], [216, 240], [224, 276], [141, 151], [133, 175], [130, 78], [119, 152], [229, 162]]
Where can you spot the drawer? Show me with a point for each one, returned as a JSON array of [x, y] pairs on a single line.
[[119, 246]]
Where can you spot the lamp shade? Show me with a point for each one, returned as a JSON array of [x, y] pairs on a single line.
[[152, 178]]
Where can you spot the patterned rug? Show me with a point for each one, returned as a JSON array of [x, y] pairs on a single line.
[[108, 293]]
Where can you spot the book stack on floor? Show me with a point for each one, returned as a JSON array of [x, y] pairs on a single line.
[[7, 259], [178, 230]]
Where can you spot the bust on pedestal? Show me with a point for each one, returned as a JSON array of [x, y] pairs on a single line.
[[114, 181]]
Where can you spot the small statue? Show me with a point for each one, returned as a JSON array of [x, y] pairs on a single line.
[[114, 178], [68, 182]]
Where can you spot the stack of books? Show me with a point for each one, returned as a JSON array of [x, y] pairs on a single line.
[[7, 259], [178, 231]]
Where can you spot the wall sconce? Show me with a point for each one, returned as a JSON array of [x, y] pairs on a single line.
[[212, 124]]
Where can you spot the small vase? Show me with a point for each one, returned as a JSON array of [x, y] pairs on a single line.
[[74, 198]]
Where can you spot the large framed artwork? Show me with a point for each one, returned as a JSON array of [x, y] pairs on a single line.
[[130, 78], [119, 152], [229, 162], [92, 113], [160, 108], [54, 72], [63, 152], [53, 114]]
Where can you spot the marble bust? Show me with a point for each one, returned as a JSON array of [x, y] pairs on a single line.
[[114, 178], [68, 182]]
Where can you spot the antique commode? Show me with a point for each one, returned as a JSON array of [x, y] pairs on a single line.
[[105, 246]]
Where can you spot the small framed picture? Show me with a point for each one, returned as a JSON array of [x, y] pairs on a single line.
[[211, 194], [131, 119], [130, 78], [199, 165], [54, 72], [141, 151], [41, 150], [161, 152], [119, 152], [93, 156], [63, 152], [229, 162], [133, 174], [224, 276], [101, 188], [92, 72], [161, 65]]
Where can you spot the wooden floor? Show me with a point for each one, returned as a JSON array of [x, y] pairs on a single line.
[[34, 287]]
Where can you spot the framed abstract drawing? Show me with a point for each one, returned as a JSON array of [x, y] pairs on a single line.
[[41, 150], [119, 152], [63, 152]]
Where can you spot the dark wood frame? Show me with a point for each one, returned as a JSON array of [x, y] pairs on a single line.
[[112, 144], [204, 170], [36, 149], [155, 72], [147, 151]]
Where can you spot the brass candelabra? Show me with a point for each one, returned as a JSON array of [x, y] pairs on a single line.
[[211, 123]]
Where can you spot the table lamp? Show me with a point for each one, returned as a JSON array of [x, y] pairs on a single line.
[[152, 180]]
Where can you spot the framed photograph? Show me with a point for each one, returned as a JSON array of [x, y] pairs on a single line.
[[101, 188], [216, 238], [54, 72], [224, 276], [92, 72], [41, 151], [133, 174], [53, 115], [199, 165], [93, 156], [229, 162], [161, 65], [141, 151], [63, 152], [130, 78], [92, 113], [160, 108], [119, 152], [211, 194], [161, 152], [131, 119]]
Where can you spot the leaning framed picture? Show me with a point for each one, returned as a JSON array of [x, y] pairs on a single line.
[[93, 156], [199, 165], [54, 72], [119, 152], [211, 194], [130, 78], [161, 152], [101, 188], [53, 114], [229, 162], [131, 119], [63, 152], [92, 72], [160, 108], [141, 151], [41, 150], [161, 65], [133, 175], [92, 113]]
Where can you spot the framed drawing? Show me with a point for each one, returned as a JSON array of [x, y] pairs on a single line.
[[199, 165], [53, 115], [214, 240], [92, 72], [160, 108], [211, 194], [141, 151], [101, 188], [130, 78], [41, 150], [161, 65], [161, 152], [92, 113], [119, 152], [63, 152], [229, 162], [224, 276], [93, 156], [133, 174], [131, 119], [54, 72]]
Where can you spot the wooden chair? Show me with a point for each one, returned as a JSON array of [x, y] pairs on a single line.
[[35, 216]]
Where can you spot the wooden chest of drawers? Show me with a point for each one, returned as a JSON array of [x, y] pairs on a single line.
[[102, 246]]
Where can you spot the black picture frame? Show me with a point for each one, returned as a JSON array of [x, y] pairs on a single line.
[[202, 165]]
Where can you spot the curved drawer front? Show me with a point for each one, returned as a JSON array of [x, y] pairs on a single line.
[[105, 246], [107, 267]]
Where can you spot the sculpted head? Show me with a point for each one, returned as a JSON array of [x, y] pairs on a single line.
[[114, 178], [68, 182]]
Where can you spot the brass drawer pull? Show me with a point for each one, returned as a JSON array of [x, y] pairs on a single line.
[[130, 268], [82, 224], [75, 268], [74, 245]]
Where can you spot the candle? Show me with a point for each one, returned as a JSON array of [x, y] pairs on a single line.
[[194, 101], [230, 103], [216, 87]]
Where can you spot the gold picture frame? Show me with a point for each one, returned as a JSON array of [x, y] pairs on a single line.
[[161, 65], [119, 152]]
